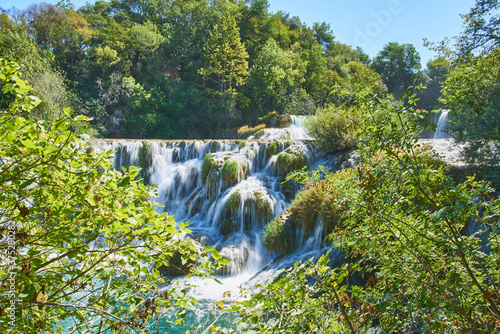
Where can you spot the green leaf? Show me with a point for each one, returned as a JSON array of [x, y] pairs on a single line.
[[50, 149], [27, 293], [28, 143], [216, 255], [27, 183], [68, 111]]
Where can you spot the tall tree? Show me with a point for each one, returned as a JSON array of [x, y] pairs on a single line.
[[225, 58], [398, 65], [472, 88], [275, 77], [482, 28]]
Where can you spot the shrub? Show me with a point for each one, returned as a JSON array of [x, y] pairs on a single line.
[[72, 223], [246, 131], [334, 128]]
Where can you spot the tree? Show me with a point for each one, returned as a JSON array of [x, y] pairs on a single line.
[[471, 89], [398, 65], [38, 67], [82, 241], [225, 58], [482, 28], [472, 93], [276, 76], [64, 32], [433, 78], [324, 34]]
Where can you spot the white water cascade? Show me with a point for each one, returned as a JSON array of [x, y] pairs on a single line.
[[228, 190], [442, 126], [295, 131]]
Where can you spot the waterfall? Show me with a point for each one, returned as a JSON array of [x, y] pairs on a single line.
[[442, 126], [228, 190], [295, 131]]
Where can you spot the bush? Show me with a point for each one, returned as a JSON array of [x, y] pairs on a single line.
[[246, 131], [428, 247], [335, 129]]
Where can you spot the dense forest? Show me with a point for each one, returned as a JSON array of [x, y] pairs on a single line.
[[195, 69], [419, 237]]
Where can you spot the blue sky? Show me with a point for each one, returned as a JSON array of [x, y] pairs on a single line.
[[367, 23]]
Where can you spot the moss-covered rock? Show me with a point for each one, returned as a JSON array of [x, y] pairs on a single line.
[[289, 189], [258, 134], [278, 235], [305, 208], [241, 144], [228, 226], [256, 208], [272, 149], [209, 164], [146, 160], [289, 231], [289, 161], [285, 120], [232, 171], [234, 202], [262, 206]]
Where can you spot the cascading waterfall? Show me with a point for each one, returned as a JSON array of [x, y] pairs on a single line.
[[229, 190], [295, 131], [442, 126]]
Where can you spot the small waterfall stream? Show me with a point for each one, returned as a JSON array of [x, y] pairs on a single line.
[[442, 126]]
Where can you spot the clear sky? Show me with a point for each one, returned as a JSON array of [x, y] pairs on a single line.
[[369, 24]]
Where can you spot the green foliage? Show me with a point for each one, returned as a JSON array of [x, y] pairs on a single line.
[[225, 57], [321, 200], [203, 67], [482, 28], [145, 38], [427, 247], [77, 230], [232, 171], [335, 128], [209, 164], [398, 65], [279, 236], [38, 68], [303, 299], [276, 76], [472, 93]]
